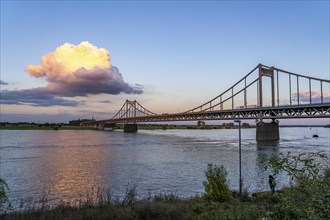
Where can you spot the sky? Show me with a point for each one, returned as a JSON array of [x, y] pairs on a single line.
[[64, 60]]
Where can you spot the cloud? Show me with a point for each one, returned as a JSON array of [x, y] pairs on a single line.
[[105, 101], [3, 82], [84, 82], [68, 58], [315, 96], [33, 97], [71, 71], [81, 70]]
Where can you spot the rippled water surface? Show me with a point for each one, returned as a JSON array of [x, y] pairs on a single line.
[[68, 164]]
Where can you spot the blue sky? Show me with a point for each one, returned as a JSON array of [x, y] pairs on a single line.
[[182, 53]]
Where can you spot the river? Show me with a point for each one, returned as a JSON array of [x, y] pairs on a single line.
[[66, 165]]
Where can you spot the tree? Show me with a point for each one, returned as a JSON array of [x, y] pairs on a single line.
[[201, 123], [216, 187], [309, 194]]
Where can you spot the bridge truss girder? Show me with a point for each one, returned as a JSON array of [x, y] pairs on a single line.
[[282, 112]]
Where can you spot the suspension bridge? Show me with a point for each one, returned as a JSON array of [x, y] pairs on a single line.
[[264, 93]]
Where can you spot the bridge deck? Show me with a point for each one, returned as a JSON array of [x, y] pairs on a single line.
[[281, 112]]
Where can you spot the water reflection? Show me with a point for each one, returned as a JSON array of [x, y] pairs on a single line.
[[71, 171], [267, 145], [67, 165]]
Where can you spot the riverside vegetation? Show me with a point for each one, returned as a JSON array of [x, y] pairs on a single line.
[[46, 126], [307, 197], [76, 125]]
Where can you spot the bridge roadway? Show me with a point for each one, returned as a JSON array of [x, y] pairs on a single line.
[[320, 110]]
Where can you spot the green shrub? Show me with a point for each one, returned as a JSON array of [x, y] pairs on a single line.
[[4, 201], [327, 173], [309, 196], [216, 187]]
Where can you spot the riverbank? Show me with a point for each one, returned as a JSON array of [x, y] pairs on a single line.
[[158, 207], [261, 205]]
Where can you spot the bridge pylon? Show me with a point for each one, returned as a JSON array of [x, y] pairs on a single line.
[[268, 72]]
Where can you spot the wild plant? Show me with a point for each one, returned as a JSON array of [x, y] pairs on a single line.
[[309, 194], [216, 186], [4, 201]]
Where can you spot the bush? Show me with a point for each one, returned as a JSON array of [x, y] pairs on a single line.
[[4, 201], [327, 173], [216, 187], [309, 197]]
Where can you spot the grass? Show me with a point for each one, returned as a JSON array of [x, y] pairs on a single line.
[[160, 207], [153, 207], [101, 205]]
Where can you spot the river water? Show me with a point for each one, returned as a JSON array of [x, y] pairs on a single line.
[[69, 164]]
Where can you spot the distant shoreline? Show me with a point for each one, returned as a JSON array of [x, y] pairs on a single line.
[[34, 127], [141, 127], [305, 126]]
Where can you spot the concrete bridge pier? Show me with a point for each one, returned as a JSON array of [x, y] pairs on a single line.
[[100, 126], [104, 125], [130, 128], [267, 131], [110, 126]]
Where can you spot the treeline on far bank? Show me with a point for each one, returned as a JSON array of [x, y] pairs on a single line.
[[72, 125], [76, 125], [199, 125]]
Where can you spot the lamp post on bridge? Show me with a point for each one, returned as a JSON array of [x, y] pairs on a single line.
[[240, 157]]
